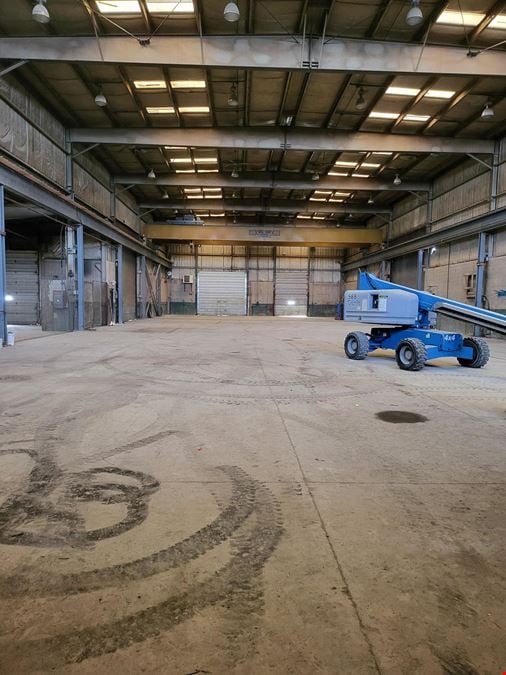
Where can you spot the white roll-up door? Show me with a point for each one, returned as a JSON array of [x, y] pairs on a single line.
[[23, 286], [291, 294], [221, 293]]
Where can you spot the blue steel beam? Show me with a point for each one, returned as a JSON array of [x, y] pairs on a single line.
[[119, 282]]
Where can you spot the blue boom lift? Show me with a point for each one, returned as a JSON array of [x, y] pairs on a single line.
[[407, 318]]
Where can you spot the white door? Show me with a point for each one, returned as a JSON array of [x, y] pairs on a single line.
[[291, 294], [221, 293], [23, 287]]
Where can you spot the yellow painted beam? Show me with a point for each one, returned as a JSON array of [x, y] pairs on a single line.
[[340, 237]]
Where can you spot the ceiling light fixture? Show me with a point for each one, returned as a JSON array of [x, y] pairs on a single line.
[[235, 173], [231, 12], [100, 99], [151, 174], [487, 113], [165, 194], [414, 17], [40, 13], [370, 200], [233, 101], [315, 176], [360, 103], [397, 179]]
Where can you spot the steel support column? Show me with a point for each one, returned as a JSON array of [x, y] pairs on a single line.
[[3, 265], [419, 269], [69, 165], [141, 287], [80, 276], [119, 283], [480, 273]]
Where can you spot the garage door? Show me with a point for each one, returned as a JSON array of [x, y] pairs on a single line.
[[221, 293], [291, 294], [23, 286]]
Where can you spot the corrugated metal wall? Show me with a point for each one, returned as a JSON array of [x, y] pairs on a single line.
[[262, 264], [129, 285]]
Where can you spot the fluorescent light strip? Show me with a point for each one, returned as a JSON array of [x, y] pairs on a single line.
[[150, 84], [188, 84], [359, 175], [350, 164], [205, 160], [194, 109], [180, 160], [439, 93], [368, 165], [162, 110], [402, 91], [377, 114], [416, 118], [337, 173]]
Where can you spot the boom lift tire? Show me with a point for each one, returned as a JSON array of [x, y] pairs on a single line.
[[411, 354], [356, 346], [481, 353]]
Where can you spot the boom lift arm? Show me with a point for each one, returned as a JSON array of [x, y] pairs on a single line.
[[407, 317]]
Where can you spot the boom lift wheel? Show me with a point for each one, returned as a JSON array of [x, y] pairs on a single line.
[[411, 354], [356, 346], [481, 353]]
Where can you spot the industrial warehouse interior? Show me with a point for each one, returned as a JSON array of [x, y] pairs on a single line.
[[252, 337]]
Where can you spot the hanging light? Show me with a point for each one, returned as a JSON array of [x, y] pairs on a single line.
[[370, 200], [233, 101], [235, 173], [151, 174], [360, 103], [397, 179], [100, 99], [487, 113], [414, 17], [165, 194], [315, 176], [231, 12], [40, 13]]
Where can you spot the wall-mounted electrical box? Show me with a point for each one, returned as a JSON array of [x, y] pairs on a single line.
[[188, 279]]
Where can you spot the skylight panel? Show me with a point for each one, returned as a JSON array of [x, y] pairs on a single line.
[[452, 17], [163, 7], [499, 22], [118, 6]]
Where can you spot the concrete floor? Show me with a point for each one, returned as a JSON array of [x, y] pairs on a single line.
[[200, 495]]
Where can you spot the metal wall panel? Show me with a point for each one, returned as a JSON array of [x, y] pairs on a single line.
[[291, 293], [23, 285], [404, 270], [222, 293]]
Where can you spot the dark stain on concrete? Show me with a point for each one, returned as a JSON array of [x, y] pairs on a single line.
[[400, 417]]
